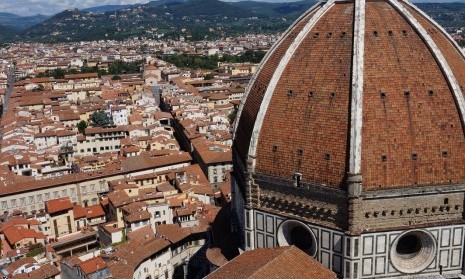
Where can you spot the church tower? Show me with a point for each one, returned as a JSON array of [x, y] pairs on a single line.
[[350, 142]]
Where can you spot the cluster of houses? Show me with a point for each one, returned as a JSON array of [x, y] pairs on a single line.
[[104, 177]]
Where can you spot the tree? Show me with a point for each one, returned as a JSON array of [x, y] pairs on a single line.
[[58, 73], [100, 119], [101, 72], [209, 76], [121, 67], [81, 126], [232, 116], [115, 77]]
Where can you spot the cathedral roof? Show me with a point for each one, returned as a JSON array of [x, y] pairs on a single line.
[[369, 88]]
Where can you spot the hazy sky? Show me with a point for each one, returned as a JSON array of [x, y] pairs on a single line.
[[50, 7]]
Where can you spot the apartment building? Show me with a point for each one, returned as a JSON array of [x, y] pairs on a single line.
[[101, 140], [60, 217], [82, 188]]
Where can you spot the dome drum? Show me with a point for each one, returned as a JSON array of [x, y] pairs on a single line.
[[293, 232], [413, 251]]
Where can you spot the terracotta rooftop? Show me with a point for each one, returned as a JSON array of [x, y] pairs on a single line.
[[212, 153], [145, 162], [134, 252], [88, 212], [127, 166], [92, 265], [81, 76], [282, 262], [18, 221], [111, 227], [53, 206], [16, 234], [17, 264], [46, 271]]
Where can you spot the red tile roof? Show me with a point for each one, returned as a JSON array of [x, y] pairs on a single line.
[[88, 212], [16, 234], [17, 264], [92, 265], [18, 221], [57, 205], [44, 272], [212, 153], [282, 262]]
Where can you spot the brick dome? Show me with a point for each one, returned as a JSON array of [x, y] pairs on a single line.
[[371, 90]]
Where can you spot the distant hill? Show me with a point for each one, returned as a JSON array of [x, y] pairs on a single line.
[[191, 19], [447, 14], [201, 8], [106, 8], [275, 9], [7, 33], [20, 22]]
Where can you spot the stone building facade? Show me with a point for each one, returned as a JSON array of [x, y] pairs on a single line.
[[350, 143]]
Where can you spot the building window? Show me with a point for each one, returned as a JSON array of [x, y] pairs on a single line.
[[247, 240], [83, 189], [31, 199], [92, 187], [13, 203], [55, 194], [72, 192], [22, 201], [4, 205], [348, 247], [47, 196], [39, 198], [64, 193]]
